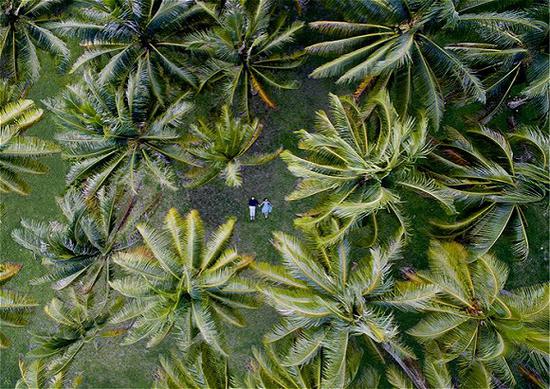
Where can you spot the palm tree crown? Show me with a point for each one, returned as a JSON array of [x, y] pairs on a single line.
[[361, 158], [18, 153], [222, 150], [270, 370], [473, 319], [537, 63], [177, 280], [34, 375], [199, 367], [408, 44], [14, 307], [537, 90], [81, 249], [133, 37], [23, 30], [332, 306], [497, 183], [115, 135], [80, 320], [244, 49], [523, 58]]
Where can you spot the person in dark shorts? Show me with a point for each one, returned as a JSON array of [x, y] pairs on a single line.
[[252, 204]]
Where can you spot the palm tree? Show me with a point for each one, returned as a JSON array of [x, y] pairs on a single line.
[[15, 307], [200, 367], [18, 153], [534, 369], [80, 320], [81, 249], [525, 59], [129, 38], [176, 279], [220, 150], [361, 159], [298, 5], [269, 370], [113, 135], [332, 308], [537, 90], [473, 319], [434, 368], [244, 49], [34, 375], [497, 185], [23, 31], [405, 44]]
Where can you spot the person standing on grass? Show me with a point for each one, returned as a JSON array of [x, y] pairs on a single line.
[[266, 207], [252, 204]]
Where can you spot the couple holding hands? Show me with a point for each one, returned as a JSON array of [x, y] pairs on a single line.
[[265, 206]]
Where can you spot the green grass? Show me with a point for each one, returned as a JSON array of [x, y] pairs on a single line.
[[107, 364]]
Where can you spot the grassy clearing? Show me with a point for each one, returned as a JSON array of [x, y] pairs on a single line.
[[110, 365]]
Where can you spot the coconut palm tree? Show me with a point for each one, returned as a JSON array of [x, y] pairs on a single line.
[[537, 89], [269, 370], [297, 5], [80, 249], [434, 368], [405, 44], [19, 153], [80, 321], [473, 319], [23, 31], [200, 367], [332, 307], [15, 307], [526, 59], [496, 183], [128, 38], [221, 150], [244, 49], [34, 375], [361, 159], [535, 370], [114, 135], [177, 280]]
